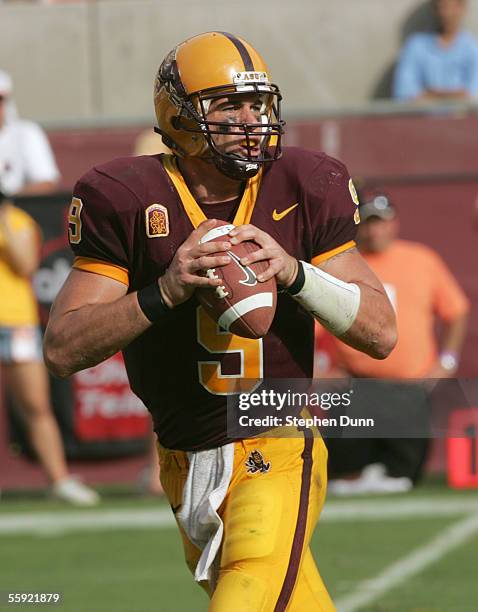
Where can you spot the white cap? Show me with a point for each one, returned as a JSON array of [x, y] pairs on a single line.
[[6, 85]]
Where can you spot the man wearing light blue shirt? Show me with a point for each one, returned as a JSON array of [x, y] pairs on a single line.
[[442, 65]]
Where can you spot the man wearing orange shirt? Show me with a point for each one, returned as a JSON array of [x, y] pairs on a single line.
[[421, 289]]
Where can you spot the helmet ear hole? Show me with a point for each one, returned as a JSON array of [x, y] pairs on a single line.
[[176, 122], [167, 140]]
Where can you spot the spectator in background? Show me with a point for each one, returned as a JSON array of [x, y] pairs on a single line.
[[421, 289], [27, 164], [442, 65], [20, 351]]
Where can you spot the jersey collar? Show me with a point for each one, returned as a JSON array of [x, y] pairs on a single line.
[[193, 211]]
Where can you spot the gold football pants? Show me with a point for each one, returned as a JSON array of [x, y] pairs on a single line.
[[273, 503]]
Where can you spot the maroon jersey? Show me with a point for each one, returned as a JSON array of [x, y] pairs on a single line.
[[128, 219]]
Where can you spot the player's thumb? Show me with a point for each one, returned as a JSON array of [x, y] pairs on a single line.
[[204, 228]]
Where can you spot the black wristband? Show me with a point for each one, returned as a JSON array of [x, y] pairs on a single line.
[[298, 282], [152, 303]]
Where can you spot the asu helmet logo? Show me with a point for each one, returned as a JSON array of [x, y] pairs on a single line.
[[157, 221], [255, 463], [250, 76]]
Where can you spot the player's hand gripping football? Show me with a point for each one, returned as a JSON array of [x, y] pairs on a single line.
[[281, 265], [185, 272]]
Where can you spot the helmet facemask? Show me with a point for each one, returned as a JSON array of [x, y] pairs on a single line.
[[260, 140]]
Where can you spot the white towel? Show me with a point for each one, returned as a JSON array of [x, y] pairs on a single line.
[[209, 475]]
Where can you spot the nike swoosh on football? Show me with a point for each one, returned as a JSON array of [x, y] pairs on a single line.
[[251, 278], [278, 216]]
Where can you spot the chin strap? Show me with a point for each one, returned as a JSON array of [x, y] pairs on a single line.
[[235, 168]]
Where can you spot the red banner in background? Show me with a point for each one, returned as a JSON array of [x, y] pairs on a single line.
[[105, 408], [462, 453]]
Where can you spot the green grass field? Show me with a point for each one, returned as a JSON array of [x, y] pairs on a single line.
[[407, 553]]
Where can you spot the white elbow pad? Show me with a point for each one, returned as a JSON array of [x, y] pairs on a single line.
[[332, 302]]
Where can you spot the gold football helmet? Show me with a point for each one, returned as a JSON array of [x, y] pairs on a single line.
[[206, 67]]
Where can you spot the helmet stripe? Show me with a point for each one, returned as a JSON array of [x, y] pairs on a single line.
[[243, 52]]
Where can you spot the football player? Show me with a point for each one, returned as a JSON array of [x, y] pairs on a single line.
[[135, 226]]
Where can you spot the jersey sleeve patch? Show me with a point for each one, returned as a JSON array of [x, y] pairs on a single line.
[[353, 193], [103, 268]]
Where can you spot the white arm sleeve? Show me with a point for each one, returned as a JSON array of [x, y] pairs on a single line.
[[331, 301]]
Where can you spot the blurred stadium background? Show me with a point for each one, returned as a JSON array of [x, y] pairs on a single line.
[[84, 70]]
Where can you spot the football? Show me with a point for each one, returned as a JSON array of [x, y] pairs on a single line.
[[241, 304]]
